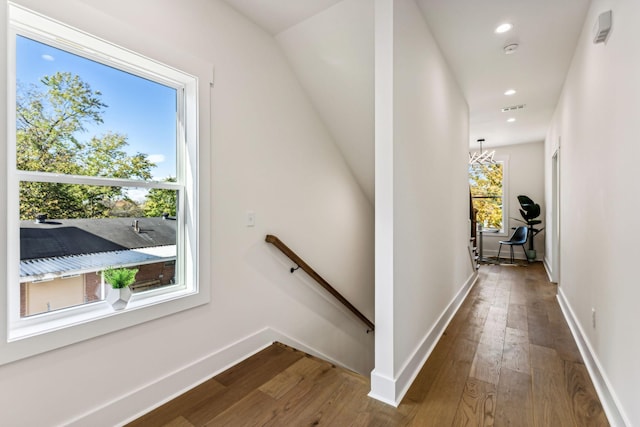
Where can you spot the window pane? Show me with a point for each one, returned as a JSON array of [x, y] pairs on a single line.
[[486, 179], [69, 233], [485, 183], [80, 117]]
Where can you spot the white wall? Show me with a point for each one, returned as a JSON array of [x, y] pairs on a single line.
[[332, 55], [270, 153], [524, 175], [422, 196], [597, 125]]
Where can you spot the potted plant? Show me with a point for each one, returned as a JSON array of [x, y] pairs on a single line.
[[530, 211], [119, 280]]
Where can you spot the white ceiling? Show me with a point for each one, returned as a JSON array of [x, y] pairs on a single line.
[[546, 31], [329, 44], [276, 16]]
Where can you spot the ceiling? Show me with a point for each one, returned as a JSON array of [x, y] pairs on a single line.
[[329, 44]]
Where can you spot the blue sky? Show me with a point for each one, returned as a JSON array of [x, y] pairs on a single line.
[[142, 110]]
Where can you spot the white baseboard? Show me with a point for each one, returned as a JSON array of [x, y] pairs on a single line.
[[152, 395], [126, 408], [547, 268], [392, 390], [383, 389], [610, 402]]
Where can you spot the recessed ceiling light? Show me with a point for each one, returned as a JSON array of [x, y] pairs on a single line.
[[511, 119], [510, 92], [503, 28]]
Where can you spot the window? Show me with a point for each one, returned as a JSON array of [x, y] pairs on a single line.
[[486, 182], [102, 173]]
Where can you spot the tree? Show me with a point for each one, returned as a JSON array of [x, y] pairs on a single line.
[[49, 120], [485, 181], [161, 201]]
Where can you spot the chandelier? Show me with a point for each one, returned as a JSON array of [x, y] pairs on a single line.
[[481, 157]]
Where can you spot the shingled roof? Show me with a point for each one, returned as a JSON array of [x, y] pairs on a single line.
[[68, 237]]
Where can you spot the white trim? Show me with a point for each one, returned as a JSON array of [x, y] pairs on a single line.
[[36, 176], [610, 402], [68, 38], [547, 268], [126, 408], [505, 231], [392, 390], [83, 325], [383, 389]]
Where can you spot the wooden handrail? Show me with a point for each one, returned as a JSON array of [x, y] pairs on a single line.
[[311, 272]]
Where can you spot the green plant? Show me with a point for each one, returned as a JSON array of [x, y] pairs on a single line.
[[120, 278], [530, 211]]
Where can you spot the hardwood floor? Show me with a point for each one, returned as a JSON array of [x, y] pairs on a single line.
[[506, 359]]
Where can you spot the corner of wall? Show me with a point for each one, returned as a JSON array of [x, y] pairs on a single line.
[[393, 390], [126, 408]]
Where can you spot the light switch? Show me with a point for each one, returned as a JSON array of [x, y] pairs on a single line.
[[251, 219]]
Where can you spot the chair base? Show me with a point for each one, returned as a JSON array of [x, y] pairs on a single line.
[[511, 253]]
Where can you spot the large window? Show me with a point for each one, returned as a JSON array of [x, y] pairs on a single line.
[[486, 181], [101, 174]]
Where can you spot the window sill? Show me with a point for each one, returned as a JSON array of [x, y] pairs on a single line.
[[66, 318], [491, 232]]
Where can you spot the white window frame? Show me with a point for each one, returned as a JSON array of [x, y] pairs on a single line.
[[505, 230], [23, 337]]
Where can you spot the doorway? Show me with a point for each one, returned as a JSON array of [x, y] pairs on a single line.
[[555, 216]]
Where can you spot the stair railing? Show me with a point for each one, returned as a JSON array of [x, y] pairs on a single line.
[[311, 272]]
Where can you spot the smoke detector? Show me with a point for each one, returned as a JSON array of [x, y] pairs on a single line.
[[510, 48]]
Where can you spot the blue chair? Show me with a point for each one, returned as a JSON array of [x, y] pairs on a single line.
[[518, 238]]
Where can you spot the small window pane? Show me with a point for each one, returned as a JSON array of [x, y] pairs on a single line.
[[76, 116], [70, 233], [486, 185]]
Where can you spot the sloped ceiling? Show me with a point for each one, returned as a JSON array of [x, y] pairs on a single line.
[[329, 44], [332, 54]]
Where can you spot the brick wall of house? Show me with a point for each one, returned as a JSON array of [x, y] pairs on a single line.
[[162, 271]]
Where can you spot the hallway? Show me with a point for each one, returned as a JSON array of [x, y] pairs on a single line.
[[506, 359]]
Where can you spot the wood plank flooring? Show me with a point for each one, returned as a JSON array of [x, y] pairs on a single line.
[[506, 359]]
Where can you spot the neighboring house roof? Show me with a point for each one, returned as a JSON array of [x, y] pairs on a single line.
[[56, 248], [61, 238], [47, 268]]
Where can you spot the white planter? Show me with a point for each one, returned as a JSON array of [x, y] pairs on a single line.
[[118, 298]]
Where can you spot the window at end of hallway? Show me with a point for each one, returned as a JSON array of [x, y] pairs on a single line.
[[486, 183]]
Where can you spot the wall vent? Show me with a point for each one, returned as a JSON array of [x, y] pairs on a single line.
[[602, 28], [513, 108]]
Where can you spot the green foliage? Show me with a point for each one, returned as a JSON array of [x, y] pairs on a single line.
[[161, 201], [120, 278], [485, 181], [49, 120]]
